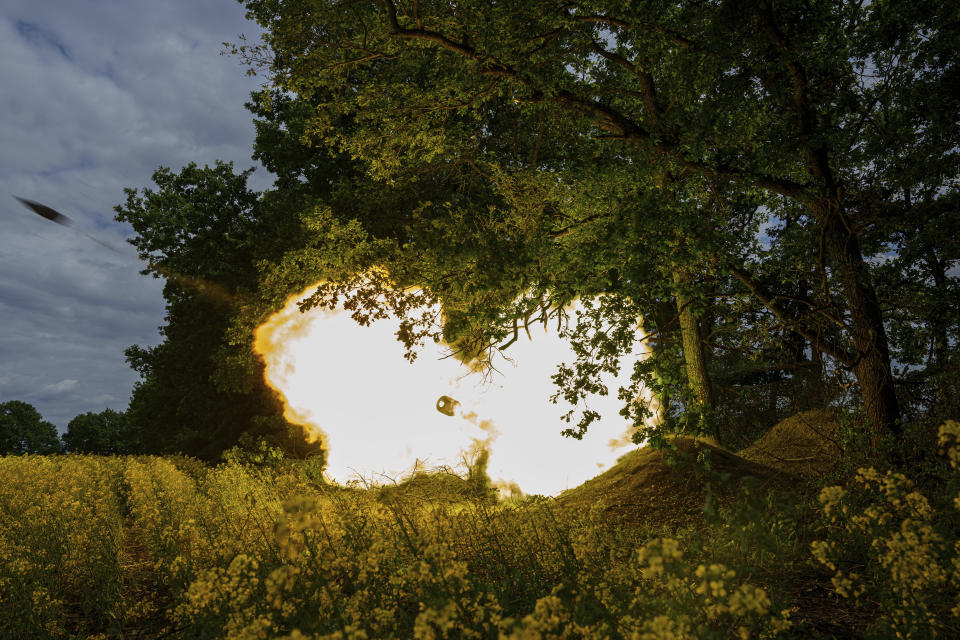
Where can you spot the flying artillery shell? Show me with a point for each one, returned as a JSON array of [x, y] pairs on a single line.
[[446, 405]]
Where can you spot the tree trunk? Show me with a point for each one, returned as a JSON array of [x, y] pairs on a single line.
[[819, 391], [938, 321], [694, 354], [872, 360], [663, 316]]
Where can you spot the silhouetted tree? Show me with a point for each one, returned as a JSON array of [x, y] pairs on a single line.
[[104, 433], [203, 231], [23, 430]]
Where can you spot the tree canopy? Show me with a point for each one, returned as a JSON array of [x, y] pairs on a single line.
[[104, 433], [23, 430], [203, 231], [779, 155]]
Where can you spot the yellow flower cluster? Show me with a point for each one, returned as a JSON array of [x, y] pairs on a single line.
[[60, 538], [713, 592], [884, 530], [948, 438], [90, 533], [347, 565], [158, 547]]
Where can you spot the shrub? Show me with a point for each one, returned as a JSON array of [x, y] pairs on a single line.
[[891, 549]]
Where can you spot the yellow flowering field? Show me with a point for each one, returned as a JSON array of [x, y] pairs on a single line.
[[148, 547]]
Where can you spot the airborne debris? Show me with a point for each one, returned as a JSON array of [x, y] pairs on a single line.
[[208, 288], [446, 405], [55, 216]]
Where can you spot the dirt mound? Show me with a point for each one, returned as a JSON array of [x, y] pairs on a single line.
[[663, 488], [804, 444]]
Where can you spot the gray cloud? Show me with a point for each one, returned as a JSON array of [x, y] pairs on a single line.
[[59, 388], [41, 38], [96, 97]]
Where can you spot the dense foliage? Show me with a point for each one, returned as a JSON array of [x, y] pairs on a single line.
[[769, 190], [167, 547], [203, 231], [23, 430], [779, 174], [104, 433]]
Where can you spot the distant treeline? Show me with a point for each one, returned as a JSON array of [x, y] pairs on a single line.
[[23, 430]]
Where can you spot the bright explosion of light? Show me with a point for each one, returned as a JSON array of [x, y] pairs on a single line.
[[377, 413]]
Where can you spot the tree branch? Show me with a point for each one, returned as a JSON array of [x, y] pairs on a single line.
[[620, 126], [648, 93], [733, 377], [818, 161], [677, 39], [559, 233], [769, 300], [490, 67]]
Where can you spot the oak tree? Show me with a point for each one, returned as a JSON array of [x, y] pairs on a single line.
[[582, 115]]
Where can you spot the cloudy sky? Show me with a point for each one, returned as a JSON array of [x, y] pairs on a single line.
[[96, 95]]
